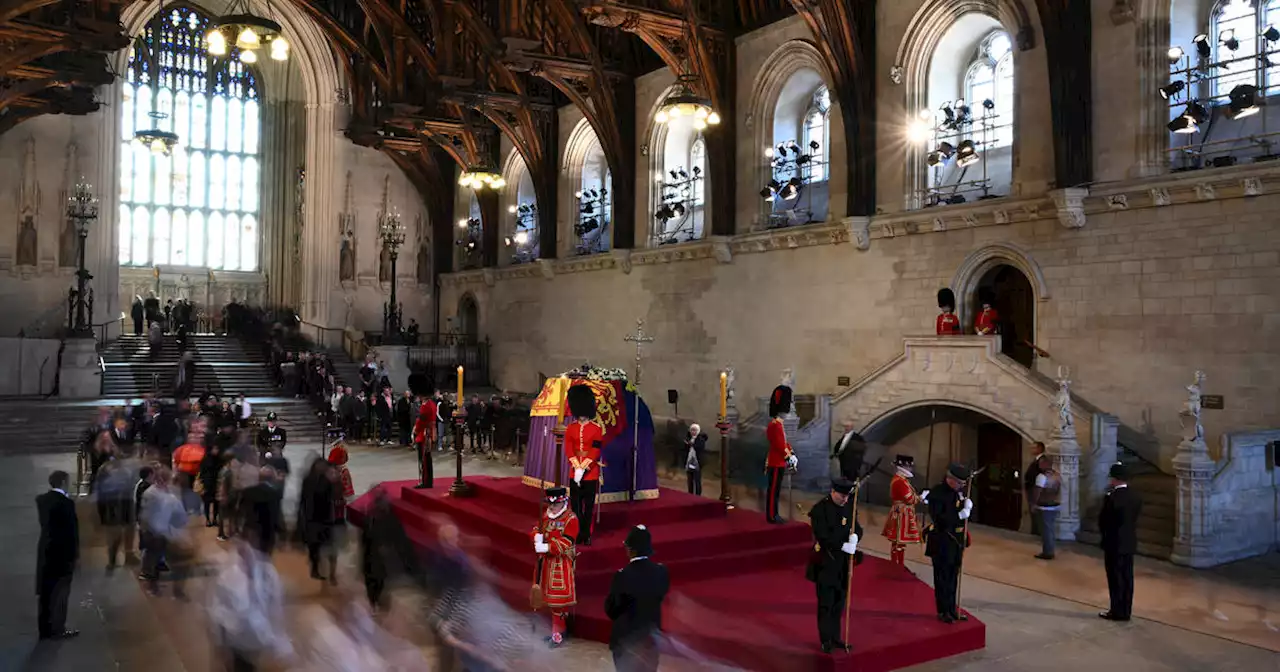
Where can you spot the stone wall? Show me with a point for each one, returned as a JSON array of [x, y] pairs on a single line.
[[1241, 515]]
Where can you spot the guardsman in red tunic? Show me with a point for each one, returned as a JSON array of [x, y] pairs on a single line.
[[902, 527], [553, 541], [988, 322], [582, 443], [948, 324], [780, 456], [424, 428]]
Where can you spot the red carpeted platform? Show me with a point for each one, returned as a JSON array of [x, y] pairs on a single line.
[[738, 591]]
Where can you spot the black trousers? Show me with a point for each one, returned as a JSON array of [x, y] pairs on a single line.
[[428, 469], [774, 492], [831, 598], [1120, 582], [946, 580], [582, 498], [373, 588], [695, 481], [637, 656], [52, 613]]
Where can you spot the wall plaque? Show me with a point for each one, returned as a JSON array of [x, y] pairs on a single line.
[[842, 381], [1212, 401]]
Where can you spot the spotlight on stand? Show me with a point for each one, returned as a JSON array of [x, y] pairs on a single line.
[[1183, 124], [966, 154], [1228, 39], [1172, 89], [1175, 54], [1271, 34], [1197, 112], [1202, 45], [1243, 102]]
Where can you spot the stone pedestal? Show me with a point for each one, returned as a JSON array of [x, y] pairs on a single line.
[[1192, 546], [397, 359], [1066, 459], [79, 376]]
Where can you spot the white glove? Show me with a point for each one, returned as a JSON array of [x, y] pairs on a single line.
[[850, 547], [968, 509], [924, 496], [538, 538], [541, 548], [578, 474], [792, 461]]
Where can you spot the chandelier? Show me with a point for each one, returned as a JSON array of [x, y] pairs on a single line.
[[250, 33], [683, 102], [161, 142], [481, 179]]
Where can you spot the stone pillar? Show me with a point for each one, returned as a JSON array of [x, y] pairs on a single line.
[[78, 377], [1066, 459], [397, 359], [1194, 469]]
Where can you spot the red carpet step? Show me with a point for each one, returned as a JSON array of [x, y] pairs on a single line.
[[738, 592]]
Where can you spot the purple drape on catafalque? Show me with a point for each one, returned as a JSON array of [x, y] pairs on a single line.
[[615, 406]]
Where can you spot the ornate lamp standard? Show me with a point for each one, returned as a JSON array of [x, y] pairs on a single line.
[[392, 233], [82, 210]]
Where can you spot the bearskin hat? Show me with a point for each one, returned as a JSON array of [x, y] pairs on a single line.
[[986, 297], [338, 455], [947, 299], [780, 402], [419, 385], [582, 401]]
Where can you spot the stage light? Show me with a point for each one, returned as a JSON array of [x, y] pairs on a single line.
[[966, 154], [934, 159], [949, 113], [1271, 34], [766, 193], [522, 238], [577, 194], [678, 210], [789, 193], [511, 209], [1175, 54], [462, 223], [507, 241], [768, 153], [946, 149], [918, 131], [1228, 39], [1244, 102], [1202, 45], [1197, 112], [1172, 89], [1183, 124]]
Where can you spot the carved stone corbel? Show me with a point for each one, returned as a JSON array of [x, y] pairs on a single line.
[[490, 277], [720, 249], [859, 231], [1252, 186], [1206, 192], [1160, 197], [1070, 205], [547, 267]]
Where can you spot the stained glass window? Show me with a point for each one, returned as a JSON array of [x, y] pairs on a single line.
[[199, 206]]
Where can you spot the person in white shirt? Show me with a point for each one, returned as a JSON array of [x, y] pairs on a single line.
[[1045, 504]]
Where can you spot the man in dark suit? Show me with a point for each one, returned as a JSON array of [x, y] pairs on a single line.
[[946, 539], [1118, 522], [56, 556], [835, 547], [634, 605], [847, 454], [262, 511]]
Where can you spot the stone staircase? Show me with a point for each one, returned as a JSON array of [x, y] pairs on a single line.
[[1158, 522], [223, 365]]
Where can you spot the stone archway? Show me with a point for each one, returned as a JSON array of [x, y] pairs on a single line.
[[469, 318], [975, 268], [1015, 303]]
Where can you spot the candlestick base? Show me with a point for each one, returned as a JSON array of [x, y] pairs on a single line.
[[460, 488]]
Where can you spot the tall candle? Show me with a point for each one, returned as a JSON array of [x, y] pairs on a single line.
[[460, 386], [724, 394]]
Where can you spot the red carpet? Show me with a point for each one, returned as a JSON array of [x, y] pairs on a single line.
[[738, 590]]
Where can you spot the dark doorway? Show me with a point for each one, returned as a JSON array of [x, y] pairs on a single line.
[[997, 493], [469, 319], [1015, 302]]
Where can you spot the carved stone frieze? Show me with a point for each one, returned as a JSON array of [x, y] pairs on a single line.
[[1070, 205]]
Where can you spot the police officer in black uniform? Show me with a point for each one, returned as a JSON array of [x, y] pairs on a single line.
[[835, 535], [271, 439], [946, 539]]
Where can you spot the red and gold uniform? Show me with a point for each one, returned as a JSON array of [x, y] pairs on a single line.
[[424, 429], [947, 323], [988, 321], [338, 458], [777, 460], [554, 542], [902, 526], [583, 441]]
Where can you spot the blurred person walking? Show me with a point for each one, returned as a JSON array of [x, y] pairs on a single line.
[[634, 605], [246, 608], [385, 550], [316, 514], [115, 507], [164, 522]]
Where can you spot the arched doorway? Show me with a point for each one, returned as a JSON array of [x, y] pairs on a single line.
[[937, 435], [469, 319], [1015, 301]]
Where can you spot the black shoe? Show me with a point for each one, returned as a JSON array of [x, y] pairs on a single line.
[[317, 575], [946, 618], [162, 566], [423, 486], [1107, 615], [1042, 556], [826, 647], [66, 634]]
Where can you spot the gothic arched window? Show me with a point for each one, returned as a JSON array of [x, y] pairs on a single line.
[[698, 160], [989, 78], [199, 205], [595, 204], [817, 128]]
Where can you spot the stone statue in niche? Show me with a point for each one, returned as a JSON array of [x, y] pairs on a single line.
[[424, 263], [384, 264], [28, 209], [347, 260], [69, 241], [1192, 430], [1062, 402], [730, 380]]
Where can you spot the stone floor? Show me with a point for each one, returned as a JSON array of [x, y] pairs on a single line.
[[1040, 616]]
